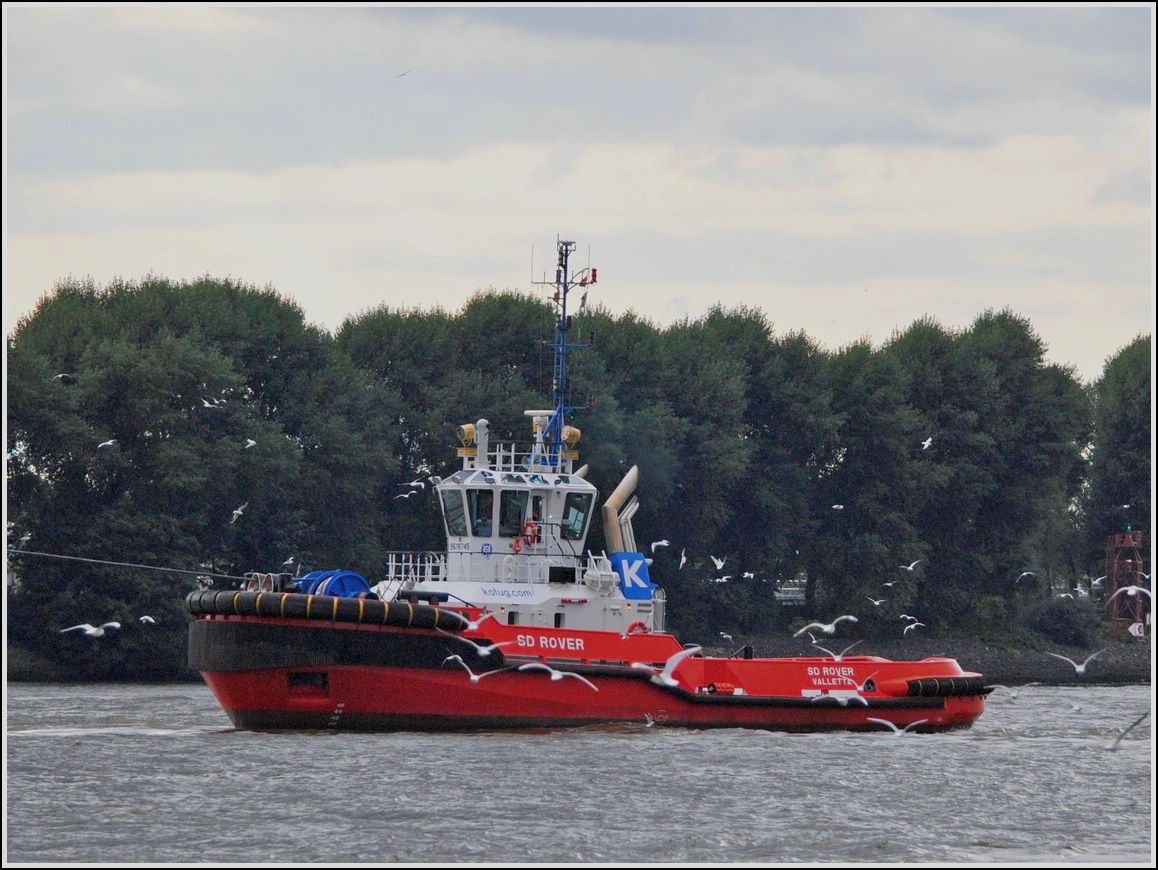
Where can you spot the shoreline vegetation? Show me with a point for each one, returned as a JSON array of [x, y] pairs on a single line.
[[1122, 662]]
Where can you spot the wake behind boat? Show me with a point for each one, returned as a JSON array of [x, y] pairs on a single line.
[[518, 624]]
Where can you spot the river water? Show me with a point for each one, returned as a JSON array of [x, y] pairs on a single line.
[[157, 775]]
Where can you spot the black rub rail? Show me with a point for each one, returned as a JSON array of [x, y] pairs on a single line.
[[329, 608]]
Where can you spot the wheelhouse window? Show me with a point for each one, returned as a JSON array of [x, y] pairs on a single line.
[[481, 507], [512, 510], [576, 510], [453, 513]]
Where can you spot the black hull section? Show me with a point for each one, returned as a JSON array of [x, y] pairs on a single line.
[[222, 645]]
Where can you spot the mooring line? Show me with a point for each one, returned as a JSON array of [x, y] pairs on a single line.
[[12, 551]]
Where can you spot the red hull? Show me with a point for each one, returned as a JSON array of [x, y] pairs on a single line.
[[379, 678]]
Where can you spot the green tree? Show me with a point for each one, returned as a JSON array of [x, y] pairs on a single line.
[[177, 380], [1122, 450]]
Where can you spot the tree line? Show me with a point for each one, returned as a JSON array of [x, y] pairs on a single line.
[[142, 416]]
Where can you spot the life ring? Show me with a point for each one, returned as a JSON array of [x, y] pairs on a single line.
[[638, 625], [530, 532]]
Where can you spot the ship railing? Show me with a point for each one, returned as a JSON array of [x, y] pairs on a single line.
[[524, 458], [410, 566], [792, 592]]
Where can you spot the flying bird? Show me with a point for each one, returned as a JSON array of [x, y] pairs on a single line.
[[249, 442], [877, 602], [407, 494], [749, 575], [1014, 692], [827, 628], [927, 443], [910, 566], [401, 74], [1024, 574], [911, 626], [1113, 747], [556, 675], [479, 648], [238, 512], [683, 558], [147, 619], [1132, 591], [665, 677], [1080, 669], [63, 376], [93, 630], [655, 544], [836, 656], [108, 443], [473, 626], [838, 507], [896, 730], [474, 678], [419, 484], [289, 563], [726, 636], [719, 562]]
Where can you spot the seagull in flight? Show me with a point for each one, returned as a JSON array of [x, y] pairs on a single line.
[[419, 484], [238, 512], [473, 626], [836, 656], [407, 494], [927, 443], [479, 648], [726, 636], [249, 442], [877, 602], [147, 619], [556, 675], [93, 630], [827, 628], [1080, 669], [401, 74], [1113, 747], [1014, 692], [108, 443], [1024, 574], [910, 566], [683, 558], [896, 730], [838, 507], [63, 376], [1132, 591], [665, 677], [655, 544], [719, 562], [911, 626], [474, 678]]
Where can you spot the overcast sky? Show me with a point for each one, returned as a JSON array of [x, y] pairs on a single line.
[[845, 170]]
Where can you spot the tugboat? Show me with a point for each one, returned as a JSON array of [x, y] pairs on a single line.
[[518, 624]]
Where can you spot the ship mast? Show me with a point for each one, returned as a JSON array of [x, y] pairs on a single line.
[[564, 282]]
